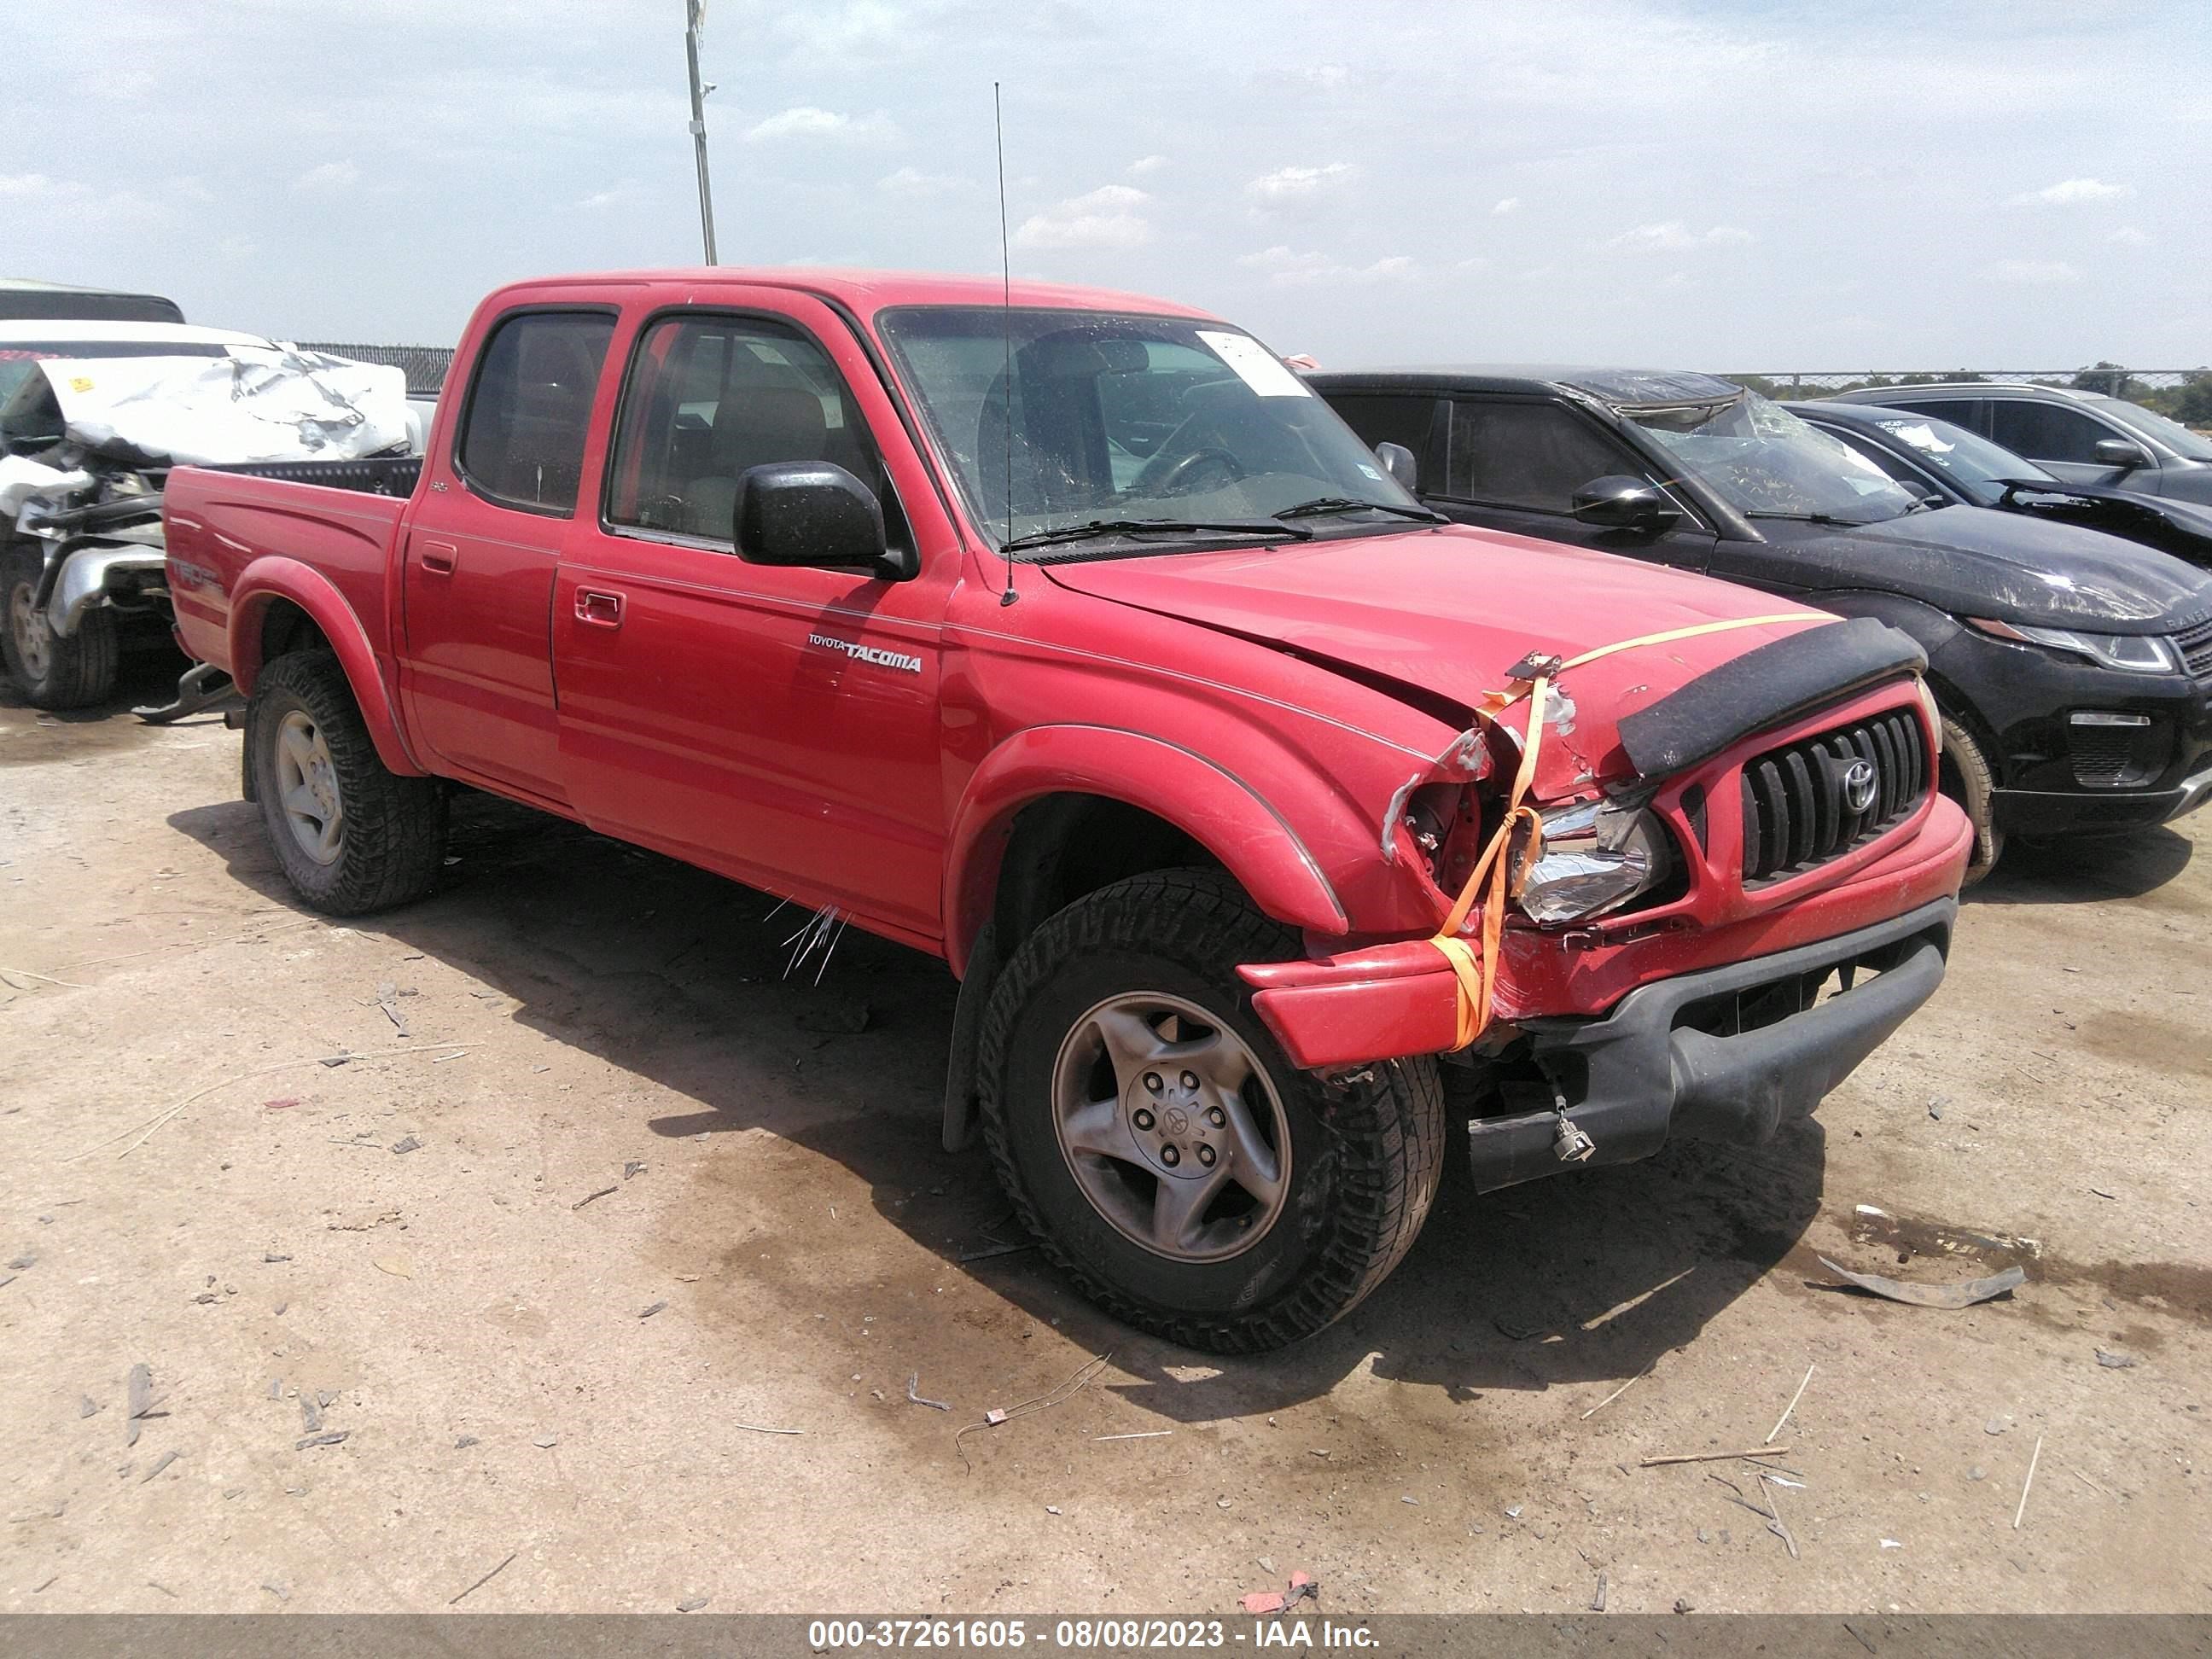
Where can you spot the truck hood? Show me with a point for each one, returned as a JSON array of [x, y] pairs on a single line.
[[1975, 562], [1441, 615]]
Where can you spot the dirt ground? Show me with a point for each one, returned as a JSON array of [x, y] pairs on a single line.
[[606, 1201]]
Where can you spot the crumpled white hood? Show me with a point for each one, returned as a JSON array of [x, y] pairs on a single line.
[[257, 404]]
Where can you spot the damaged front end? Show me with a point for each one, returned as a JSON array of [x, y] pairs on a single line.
[[1649, 956]]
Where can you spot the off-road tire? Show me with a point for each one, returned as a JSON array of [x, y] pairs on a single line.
[[394, 837], [1967, 778], [1366, 1156], [79, 671]]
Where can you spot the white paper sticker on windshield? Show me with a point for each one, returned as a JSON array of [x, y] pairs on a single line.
[[1255, 364]]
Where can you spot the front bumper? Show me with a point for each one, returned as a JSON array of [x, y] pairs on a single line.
[[1726, 1053], [2032, 812]]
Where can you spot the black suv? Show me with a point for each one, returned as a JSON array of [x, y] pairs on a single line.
[[2074, 670]]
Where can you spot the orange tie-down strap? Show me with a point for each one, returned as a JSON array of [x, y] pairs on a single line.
[[1496, 878]]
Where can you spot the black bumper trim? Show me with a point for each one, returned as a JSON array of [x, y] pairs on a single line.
[[1639, 1075], [2098, 812]]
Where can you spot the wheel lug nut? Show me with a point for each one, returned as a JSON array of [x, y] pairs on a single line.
[[1153, 1081], [1169, 1155], [1190, 1079], [1216, 1117], [1142, 1119], [1206, 1154]]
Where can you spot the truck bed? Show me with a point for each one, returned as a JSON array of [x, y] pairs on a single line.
[[333, 521]]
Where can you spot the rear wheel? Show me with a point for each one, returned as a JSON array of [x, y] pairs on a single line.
[[1162, 1149], [1968, 779], [55, 672], [352, 836]]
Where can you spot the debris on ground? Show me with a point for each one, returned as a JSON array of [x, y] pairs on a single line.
[[1617, 1393], [407, 1144], [140, 1395], [2111, 1360], [588, 1197], [647, 1313], [396, 1266], [386, 995], [545, 1442], [464, 1442], [1710, 1458], [1086, 1373], [311, 1411], [2034, 1458], [915, 1382], [693, 1604], [633, 1168], [360, 1221], [159, 1463], [1964, 1295], [1301, 1586], [486, 1579], [85, 1406], [1790, 1407], [1597, 1599], [990, 1250], [327, 1437], [277, 1589]]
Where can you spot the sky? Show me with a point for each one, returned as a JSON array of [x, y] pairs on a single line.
[[1726, 186]]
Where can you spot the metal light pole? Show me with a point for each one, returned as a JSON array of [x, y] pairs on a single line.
[[696, 11]]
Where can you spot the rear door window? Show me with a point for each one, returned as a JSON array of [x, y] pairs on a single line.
[[2046, 432], [522, 439], [1528, 455]]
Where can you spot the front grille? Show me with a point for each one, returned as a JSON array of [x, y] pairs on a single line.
[[1796, 812], [2196, 645]]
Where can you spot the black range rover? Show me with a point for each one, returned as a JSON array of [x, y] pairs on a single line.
[[2074, 670]]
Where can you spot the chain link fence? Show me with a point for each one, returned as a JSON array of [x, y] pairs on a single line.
[[2109, 379], [425, 367]]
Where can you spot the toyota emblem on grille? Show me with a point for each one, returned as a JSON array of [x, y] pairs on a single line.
[[1859, 785]]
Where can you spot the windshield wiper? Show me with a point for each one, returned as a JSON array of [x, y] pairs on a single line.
[[1321, 506], [1816, 518], [1092, 528]]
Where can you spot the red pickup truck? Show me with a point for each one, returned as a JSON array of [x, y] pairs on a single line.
[[1267, 823]]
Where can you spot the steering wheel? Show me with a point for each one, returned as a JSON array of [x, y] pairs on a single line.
[[1177, 479]]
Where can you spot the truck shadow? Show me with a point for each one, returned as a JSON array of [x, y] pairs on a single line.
[[677, 977], [2086, 870]]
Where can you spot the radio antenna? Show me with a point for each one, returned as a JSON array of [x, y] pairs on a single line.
[[1006, 331]]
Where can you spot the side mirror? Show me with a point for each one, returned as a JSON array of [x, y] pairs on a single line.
[[813, 513], [1398, 461], [1620, 502], [2118, 451]]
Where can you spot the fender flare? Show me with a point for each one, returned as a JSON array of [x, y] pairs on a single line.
[[1216, 808], [270, 579]]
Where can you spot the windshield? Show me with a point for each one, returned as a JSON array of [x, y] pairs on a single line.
[[2174, 435], [1108, 417], [1974, 464], [1766, 463]]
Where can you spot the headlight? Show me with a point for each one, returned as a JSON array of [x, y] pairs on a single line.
[[1596, 857], [2132, 653]]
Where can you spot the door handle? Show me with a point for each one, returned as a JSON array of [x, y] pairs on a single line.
[[599, 609], [439, 558]]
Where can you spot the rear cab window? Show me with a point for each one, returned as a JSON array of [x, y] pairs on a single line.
[[521, 442]]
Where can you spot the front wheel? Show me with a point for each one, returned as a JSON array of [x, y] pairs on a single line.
[[1162, 1149], [55, 672], [1968, 779], [351, 835]]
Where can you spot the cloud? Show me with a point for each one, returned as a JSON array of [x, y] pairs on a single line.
[[2033, 273], [2068, 192], [913, 181], [1145, 164], [328, 178], [1287, 186], [1286, 268], [1506, 206], [1109, 216], [806, 121], [1674, 237], [612, 197], [2128, 236]]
